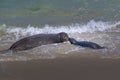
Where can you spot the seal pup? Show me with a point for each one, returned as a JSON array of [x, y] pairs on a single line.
[[38, 40], [85, 44]]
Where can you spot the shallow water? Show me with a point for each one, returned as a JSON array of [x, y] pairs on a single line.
[[103, 33]]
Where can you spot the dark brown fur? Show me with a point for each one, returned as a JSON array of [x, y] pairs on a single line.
[[38, 40]]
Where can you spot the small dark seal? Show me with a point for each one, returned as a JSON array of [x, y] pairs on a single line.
[[38, 40], [85, 44]]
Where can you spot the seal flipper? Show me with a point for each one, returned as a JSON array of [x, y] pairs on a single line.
[[98, 47], [103, 47]]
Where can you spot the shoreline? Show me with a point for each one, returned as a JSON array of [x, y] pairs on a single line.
[[71, 68]]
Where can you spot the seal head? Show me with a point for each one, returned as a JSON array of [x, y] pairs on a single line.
[[63, 36]]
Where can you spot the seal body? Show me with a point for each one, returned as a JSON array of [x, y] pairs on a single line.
[[38, 40], [85, 44]]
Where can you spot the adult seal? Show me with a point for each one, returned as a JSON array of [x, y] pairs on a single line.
[[38, 40], [85, 44]]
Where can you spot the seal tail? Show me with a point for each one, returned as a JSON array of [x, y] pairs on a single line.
[[103, 47], [5, 51]]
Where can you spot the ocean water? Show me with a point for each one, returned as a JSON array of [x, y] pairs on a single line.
[[96, 21], [41, 12]]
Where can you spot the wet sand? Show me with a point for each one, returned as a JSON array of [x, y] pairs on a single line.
[[72, 68]]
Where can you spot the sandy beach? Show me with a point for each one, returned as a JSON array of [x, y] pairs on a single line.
[[72, 68]]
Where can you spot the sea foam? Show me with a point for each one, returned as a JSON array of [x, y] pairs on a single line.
[[90, 27]]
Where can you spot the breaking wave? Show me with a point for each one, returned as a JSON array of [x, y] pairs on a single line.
[[91, 26]]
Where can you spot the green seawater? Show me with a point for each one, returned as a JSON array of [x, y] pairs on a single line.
[[83, 9]]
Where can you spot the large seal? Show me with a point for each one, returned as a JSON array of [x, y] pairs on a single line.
[[85, 44], [38, 40]]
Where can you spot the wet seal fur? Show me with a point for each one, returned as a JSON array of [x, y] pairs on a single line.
[[85, 44], [38, 40]]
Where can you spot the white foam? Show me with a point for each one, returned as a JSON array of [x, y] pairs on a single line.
[[90, 27]]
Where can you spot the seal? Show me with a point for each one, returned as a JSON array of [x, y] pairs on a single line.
[[85, 44], [38, 40]]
